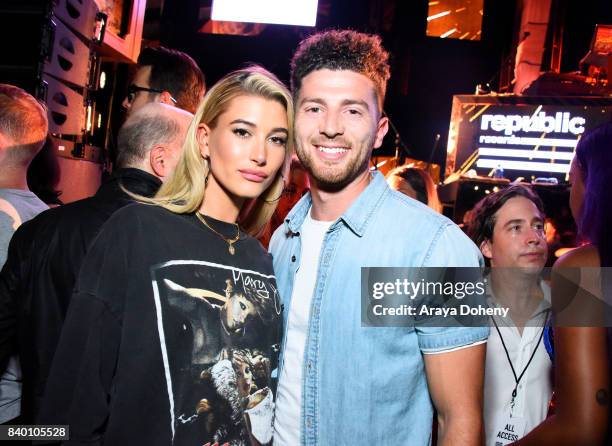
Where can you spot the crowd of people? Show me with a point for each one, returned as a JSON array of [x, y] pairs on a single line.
[[151, 313]]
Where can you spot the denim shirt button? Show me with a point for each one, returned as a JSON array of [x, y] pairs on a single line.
[[293, 258], [309, 365]]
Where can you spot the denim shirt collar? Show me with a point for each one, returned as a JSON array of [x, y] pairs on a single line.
[[356, 216]]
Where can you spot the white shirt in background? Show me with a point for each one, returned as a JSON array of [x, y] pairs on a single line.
[[535, 387]]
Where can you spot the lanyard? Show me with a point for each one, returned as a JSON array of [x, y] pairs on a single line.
[[518, 379]]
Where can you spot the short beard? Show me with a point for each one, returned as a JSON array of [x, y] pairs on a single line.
[[337, 181]]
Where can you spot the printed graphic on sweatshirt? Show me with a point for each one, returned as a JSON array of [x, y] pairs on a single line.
[[219, 331]]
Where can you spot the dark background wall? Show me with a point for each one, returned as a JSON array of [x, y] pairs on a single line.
[[426, 71]]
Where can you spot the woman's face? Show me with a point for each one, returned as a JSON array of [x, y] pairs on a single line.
[[577, 189], [246, 148], [236, 312]]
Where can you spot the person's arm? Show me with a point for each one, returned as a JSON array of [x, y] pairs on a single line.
[[582, 388], [454, 366], [456, 380], [581, 391], [79, 389]]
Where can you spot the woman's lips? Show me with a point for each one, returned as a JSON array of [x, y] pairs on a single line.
[[256, 176]]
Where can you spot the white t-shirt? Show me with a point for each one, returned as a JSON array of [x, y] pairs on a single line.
[[535, 388], [289, 393]]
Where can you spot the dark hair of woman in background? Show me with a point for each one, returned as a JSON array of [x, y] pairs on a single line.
[[415, 183]]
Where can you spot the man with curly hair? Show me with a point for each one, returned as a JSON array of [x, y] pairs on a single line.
[[340, 382]]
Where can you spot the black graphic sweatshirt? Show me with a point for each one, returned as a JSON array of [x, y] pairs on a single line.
[[169, 339]]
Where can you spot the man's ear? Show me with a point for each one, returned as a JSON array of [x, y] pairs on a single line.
[[381, 131], [485, 249], [202, 137], [166, 98], [157, 159]]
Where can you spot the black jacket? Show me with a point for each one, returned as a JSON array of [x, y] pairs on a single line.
[[43, 262]]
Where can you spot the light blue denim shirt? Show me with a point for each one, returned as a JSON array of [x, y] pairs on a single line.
[[365, 385]]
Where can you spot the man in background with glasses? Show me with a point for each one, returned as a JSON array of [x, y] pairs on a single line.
[[167, 76]]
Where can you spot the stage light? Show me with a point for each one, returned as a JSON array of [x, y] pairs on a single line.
[[437, 16], [448, 33], [281, 12], [523, 165], [455, 19], [89, 118], [517, 153]]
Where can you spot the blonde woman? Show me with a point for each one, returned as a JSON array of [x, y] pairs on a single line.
[[174, 326]]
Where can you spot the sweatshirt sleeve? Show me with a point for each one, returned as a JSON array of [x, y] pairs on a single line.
[[78, 392], [79, 389]]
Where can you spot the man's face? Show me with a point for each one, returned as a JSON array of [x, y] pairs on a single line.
[[518, 237], [133, 102], [337, 125]]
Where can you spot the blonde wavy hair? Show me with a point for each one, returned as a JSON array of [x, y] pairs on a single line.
[[184, 191]]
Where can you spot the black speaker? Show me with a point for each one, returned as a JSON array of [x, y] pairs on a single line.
[[49, 50]]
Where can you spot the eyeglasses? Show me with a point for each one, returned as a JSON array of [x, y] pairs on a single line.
[[133, 89]]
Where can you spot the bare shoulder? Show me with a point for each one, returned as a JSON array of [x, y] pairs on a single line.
[[585, 256]]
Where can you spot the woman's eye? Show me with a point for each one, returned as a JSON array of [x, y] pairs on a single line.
[[278, 140], [243, 133]]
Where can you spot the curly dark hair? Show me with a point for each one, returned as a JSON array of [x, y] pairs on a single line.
[[484, 218], [175, 72], [342, 50]]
